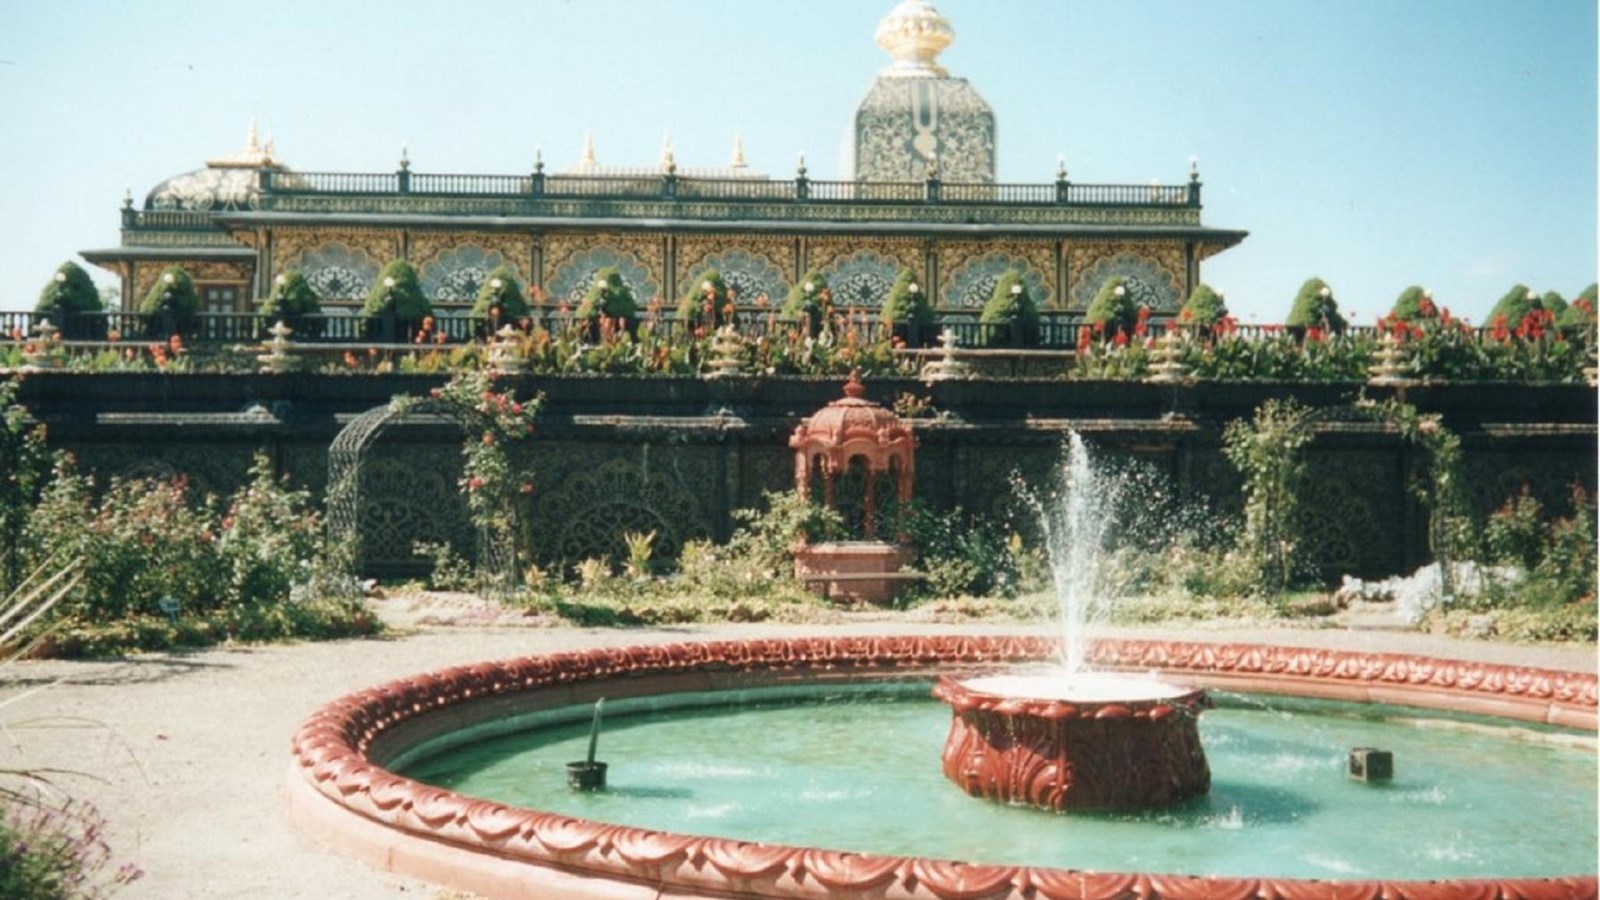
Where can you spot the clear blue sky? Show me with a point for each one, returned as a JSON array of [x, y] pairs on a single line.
[[1375, 143]]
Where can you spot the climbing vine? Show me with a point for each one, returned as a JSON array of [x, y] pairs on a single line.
[[1440, 490], [1267, 453], [493, 420]]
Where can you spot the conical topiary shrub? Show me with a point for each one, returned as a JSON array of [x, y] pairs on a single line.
[[1011, 315], [907, 313], [707, 301], [395, 303], [171, 305], [295, 303], [1414, 303], [71, 300], [1113, 308], [809, 301], [1514, 306], [398, 292], [1315, 307], [1204, 308], [500, 299], [609, 296]]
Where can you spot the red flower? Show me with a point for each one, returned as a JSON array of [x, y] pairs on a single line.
[[474, 483], [1120, 339], [1314, 334]]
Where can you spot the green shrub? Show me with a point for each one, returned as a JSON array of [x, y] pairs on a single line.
[[236, 571], [501, 289], [1011, 305], [1113, 308], [908, 305], [707, 301], [766, 537], [174, 294], [292, 298], [962, 553], [1414, 303], [70, 290], [809, 298], [1315, 307], [1514, 306], [1204, 307], [1553, 303], [609, 296], [397, 291]]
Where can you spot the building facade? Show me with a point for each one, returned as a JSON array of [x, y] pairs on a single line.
[[921, 195]]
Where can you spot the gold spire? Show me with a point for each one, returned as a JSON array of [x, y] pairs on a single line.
[[588, 161], [914, 33], [253, 156], [738, 153]]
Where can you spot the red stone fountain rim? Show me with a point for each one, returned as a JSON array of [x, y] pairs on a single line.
[[397, 823]]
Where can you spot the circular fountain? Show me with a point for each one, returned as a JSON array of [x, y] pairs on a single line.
[[342, 786]]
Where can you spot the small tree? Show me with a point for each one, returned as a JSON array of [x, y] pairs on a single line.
[[397, 292], [1113, 308], [907, 313], [609, 296], [708, 301], [809, 300], [500, 290], [294, 301], [172, 303], [1315, 307], [1011, 313], [1205, 307], [1514, 305], [67, 297], [1413, 303]]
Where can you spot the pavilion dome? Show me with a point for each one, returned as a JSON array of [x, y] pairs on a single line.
[[854, 426], [226, 183]]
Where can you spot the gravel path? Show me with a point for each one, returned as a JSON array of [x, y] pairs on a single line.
[[191, 749]]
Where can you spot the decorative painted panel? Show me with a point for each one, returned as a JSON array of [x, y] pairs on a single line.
[[1154, 270], [862, 279], [970, 271], [572, 261], [199, 270], [339, 264], [752, 266], [453, 266]]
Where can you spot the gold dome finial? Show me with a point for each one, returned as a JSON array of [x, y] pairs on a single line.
[[914, 33]]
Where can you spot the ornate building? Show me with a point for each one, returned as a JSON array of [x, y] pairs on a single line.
[[923, 197]]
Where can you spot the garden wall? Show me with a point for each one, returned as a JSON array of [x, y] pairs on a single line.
[[677, 455]]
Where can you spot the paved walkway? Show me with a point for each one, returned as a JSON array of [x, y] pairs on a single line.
[[193, 748]]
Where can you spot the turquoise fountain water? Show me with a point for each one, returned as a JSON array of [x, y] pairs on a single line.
[[858, 771]]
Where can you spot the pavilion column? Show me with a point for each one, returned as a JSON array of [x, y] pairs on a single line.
[[867, 507]]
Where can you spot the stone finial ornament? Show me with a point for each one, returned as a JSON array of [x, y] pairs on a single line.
[[915, 33]]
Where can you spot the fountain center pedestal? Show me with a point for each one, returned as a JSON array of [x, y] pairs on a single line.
[[1075, 742]]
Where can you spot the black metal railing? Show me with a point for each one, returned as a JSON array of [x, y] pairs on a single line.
[[454, 325], [666, 185]]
